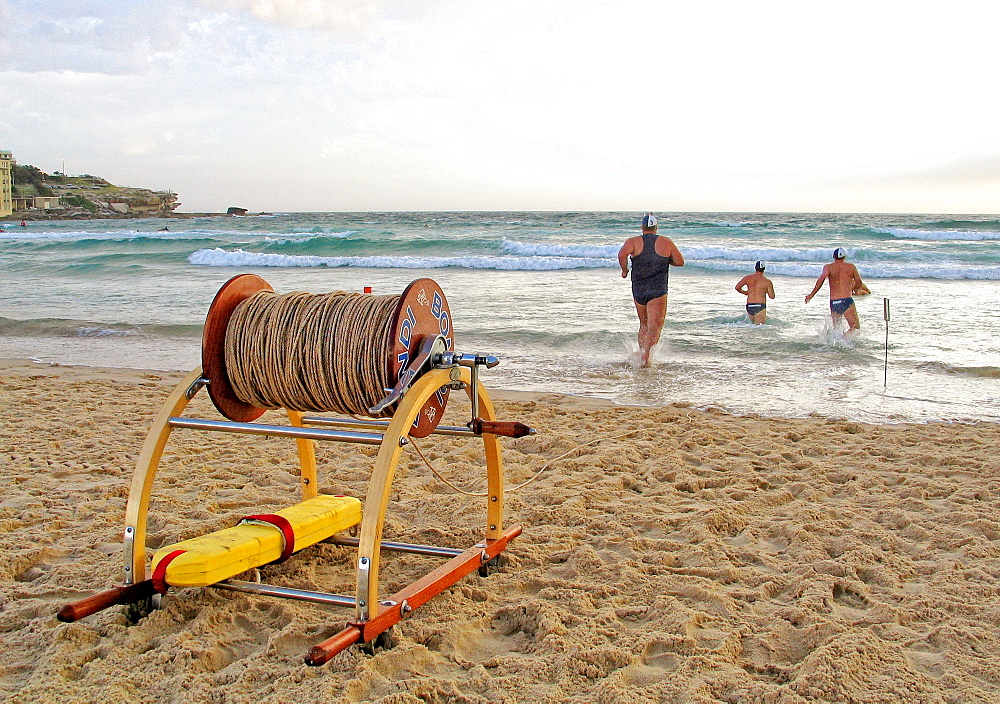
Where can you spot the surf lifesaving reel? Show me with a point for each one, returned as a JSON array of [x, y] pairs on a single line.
[[410, 338]]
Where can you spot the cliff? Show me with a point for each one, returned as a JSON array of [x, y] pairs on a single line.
[[90, 196]]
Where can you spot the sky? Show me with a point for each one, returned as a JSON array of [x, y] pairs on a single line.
[[359, 105]]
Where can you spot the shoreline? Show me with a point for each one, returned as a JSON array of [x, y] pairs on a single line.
[[686, 555], [22, 366]]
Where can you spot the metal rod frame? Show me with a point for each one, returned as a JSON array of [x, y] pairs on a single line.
[[281, 431], [236, 585], [382, 424], [411, 548]]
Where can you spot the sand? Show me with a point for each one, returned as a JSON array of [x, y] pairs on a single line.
[[705, 558]]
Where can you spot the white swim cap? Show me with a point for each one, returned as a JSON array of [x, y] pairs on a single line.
[[649, 220], [839, 253]]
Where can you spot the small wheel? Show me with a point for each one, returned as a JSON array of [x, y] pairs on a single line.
[[386, 640], [494, 565], [139, 610]]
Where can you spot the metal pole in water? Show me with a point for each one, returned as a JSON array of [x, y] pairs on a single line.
[[885, 314]]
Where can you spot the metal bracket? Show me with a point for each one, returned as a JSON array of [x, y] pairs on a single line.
[[128, 551], [473, 362], [195, 387], [364, 574], [430, 349]]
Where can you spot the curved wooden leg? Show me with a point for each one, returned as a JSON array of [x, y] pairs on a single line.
[[386, 461], [145, 472], [307, 458], [494, 469], [373, 514]]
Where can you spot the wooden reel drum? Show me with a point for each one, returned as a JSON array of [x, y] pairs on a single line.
[[420, 362]]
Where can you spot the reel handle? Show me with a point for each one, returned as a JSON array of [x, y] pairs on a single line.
[[508, 429], [106, 599], [429, 348]]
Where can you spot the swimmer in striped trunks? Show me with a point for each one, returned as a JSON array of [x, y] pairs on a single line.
[[757, 288], [844, 282]]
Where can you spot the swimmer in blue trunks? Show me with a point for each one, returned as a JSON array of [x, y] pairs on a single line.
[[844, 282], [757, 288], [651, 256]]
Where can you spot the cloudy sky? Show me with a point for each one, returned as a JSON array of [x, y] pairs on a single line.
[[319, 105]]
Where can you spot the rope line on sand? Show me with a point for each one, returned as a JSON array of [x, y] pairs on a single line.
[[537, 474]]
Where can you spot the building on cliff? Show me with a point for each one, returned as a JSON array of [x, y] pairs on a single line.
[[6, 183]]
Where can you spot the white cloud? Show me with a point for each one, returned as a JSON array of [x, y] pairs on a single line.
[[450, 104], [304, 14]]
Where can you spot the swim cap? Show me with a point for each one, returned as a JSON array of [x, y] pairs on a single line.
[[649, 220], [759, 266], [839, 253]]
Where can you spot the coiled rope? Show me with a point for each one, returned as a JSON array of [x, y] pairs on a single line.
[[311, 352]]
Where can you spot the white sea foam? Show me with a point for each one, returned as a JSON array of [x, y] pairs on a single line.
[[88, 331], [938, 235], [870, 270], [878, 270], [742, 254], [221, 257], [19, 233], [561, 250], [768, 254]]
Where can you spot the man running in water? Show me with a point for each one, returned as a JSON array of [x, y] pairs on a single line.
[[844, 281], [651, 256], [757, 288]]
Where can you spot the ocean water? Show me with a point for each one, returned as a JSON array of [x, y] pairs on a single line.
[[543, 292]]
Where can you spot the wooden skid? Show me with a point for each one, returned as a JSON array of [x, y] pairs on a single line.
[[411, 597]]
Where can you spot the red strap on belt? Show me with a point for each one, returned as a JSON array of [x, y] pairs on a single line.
[[159, 578], [282, 524]]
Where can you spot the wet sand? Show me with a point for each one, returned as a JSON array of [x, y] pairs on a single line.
[[705, 557]]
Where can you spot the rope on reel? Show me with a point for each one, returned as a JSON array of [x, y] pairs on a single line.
[[342, 352], [305, 352]]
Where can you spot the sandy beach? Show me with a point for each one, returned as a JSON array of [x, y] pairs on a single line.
[[705, 557]]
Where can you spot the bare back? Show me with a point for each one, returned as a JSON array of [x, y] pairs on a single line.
[[756, 287], [843, 279]]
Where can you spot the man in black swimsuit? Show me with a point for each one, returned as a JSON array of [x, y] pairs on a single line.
[[844, 282], [651, 256], [757, 288]]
